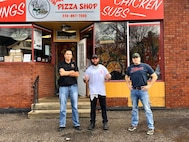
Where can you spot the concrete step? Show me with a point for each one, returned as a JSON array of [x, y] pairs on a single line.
[[51, 114], [56, 99], [56, 105], [49, 107]]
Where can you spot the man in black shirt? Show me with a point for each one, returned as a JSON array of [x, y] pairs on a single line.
[[68, 87]]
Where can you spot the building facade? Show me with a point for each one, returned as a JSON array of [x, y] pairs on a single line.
[[157, 30]]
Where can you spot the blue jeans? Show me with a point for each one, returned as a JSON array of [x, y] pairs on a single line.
[[141, 95], [64, 93]]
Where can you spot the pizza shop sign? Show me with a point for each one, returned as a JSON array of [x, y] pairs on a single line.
[[73, 6]]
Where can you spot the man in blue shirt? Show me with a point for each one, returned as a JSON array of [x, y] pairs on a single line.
[[136, 78]]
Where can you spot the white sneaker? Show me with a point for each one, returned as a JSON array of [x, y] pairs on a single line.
[[132, 128], [150, 132]]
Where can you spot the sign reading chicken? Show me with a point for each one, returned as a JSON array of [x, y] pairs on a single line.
[[131, 9], [11, 11]]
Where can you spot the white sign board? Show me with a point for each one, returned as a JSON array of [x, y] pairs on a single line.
[[62, 10]]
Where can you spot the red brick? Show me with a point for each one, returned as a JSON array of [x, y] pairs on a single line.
[[17, 80]]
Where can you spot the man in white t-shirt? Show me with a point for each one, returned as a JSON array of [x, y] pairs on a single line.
[[95, 75]]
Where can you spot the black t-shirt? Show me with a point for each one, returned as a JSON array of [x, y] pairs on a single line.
[[139, 74], [67, 80]]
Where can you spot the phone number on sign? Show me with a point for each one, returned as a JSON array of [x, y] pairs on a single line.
[[74, 15]]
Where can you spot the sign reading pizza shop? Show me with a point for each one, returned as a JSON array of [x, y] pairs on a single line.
[[63, 10], [82, 10]]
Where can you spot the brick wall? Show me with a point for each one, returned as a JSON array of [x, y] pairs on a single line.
[[46, 74], [176, 53], [115, 102], [17, 80]]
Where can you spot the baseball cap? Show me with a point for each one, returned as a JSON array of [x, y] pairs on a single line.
[[94, 56], [135, 55]]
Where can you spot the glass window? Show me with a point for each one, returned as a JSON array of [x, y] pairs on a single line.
[[72, 34], [144, 38], [17, 44], [110, 45], [42, 45], [116, 41], [14, 43]]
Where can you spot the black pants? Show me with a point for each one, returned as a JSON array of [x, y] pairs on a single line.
[[102, 101]]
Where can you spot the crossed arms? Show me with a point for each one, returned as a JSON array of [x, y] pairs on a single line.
[[71, 73]]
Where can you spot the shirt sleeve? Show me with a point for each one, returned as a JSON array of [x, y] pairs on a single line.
[[128, 71], [76, 67], [87, 71], [105, 70], [60, 65], [149, 69]]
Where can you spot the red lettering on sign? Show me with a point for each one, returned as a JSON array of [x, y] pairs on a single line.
[[88, 5], [54, 2], [66, 6], [131, 9]]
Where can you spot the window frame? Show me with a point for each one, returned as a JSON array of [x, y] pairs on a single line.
[[32, 27], [128, 56]]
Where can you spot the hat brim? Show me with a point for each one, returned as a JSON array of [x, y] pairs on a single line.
[[135, 56], [94, 58]]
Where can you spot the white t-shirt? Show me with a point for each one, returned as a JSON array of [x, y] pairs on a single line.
[[97, 76]]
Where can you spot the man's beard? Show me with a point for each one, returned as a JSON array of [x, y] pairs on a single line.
[[94, 64]]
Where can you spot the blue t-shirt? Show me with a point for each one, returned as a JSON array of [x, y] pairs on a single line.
[[97, 76], [139, 74]]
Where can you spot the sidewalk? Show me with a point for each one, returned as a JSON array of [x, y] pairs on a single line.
[[171, 126]]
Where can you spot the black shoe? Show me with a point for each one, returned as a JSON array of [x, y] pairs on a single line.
[[105, 126], [61, 129], [91, 126], [78, 128]]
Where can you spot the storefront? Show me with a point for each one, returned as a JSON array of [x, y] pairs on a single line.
[[35, 33]]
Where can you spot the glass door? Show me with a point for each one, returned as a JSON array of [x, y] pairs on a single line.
[[81, 63]]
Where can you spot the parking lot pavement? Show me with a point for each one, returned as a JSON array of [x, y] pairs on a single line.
[[170, 126]]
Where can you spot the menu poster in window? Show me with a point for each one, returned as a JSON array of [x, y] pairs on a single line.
[[47, 50], [27, 58], [37, 39]]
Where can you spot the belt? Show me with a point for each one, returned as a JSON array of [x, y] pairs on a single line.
[[137, 88]]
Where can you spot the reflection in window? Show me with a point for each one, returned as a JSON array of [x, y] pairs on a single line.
[[69, 34], [14, 43], [110, 45], [144, 39], [42, 46]]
